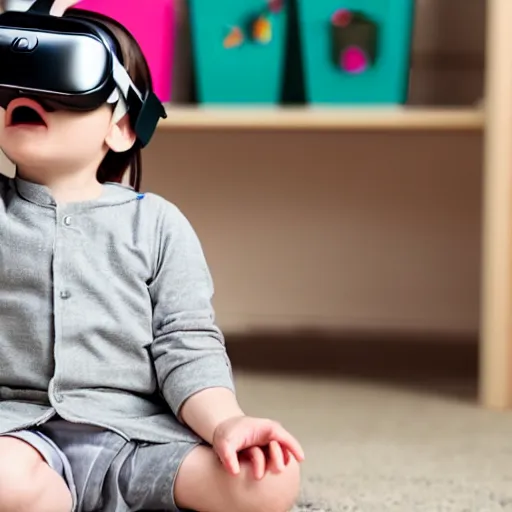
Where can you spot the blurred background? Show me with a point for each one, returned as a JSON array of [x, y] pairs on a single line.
[[347, 271], [322, 241]]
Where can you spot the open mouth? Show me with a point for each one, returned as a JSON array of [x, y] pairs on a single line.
[[26, 115], [25, 112]]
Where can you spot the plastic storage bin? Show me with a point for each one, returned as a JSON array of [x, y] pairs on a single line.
[[356, 51], [153, 25], [239, 50]]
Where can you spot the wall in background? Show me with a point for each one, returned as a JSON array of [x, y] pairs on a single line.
[[341, 230], [448, 51], [331, 230]]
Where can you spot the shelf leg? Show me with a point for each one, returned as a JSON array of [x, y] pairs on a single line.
[[496, 322]]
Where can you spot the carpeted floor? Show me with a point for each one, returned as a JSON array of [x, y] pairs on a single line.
[[389, 447]]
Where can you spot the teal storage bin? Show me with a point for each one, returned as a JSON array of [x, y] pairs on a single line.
[[356, 51], [239, 50]]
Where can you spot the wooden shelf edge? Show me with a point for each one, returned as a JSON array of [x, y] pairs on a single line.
[[307, 118]]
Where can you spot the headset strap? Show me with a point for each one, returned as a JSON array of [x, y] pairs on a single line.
[[41, 6], [124, 93], [123, 80], [144, 111]]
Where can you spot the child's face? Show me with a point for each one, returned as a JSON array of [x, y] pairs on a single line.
[[61, 141]]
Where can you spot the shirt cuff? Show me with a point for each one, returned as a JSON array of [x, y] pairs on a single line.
[[213, 371]]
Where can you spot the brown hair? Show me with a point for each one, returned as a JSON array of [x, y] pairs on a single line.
[[115, 165]]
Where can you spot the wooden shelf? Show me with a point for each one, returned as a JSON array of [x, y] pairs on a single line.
[[335, 118]]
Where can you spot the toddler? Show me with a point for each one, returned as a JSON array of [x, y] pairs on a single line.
[[116, 392]]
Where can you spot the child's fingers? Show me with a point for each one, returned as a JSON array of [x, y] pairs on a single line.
[[276, 457], [288, 442], [258, 461], [228, 455]]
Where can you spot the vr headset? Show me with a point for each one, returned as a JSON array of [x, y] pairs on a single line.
[[70, 63]]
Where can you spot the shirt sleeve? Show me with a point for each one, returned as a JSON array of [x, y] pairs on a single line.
[[188, 349]]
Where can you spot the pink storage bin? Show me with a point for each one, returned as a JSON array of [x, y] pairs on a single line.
[[153, 25]]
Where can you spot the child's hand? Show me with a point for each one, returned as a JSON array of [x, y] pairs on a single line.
[[265, 443]]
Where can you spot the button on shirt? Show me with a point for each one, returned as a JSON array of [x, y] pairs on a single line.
[[105, 312]]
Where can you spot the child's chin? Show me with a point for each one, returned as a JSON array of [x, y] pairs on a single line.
[[29, 156], [27, 146]]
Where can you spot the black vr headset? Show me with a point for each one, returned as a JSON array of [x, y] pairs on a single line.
[[70, 63]]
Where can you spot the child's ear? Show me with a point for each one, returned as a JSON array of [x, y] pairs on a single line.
[[120, 137]]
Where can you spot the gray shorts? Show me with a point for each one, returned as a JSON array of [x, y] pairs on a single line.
[[106, 473]]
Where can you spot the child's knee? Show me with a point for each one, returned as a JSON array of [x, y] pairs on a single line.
[[25, 479], [274, 493], [18, 487]]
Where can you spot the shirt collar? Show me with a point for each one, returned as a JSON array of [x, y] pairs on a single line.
[[113, 194], [33, 192]]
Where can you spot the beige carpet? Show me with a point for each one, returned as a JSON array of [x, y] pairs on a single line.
[[378, 448]]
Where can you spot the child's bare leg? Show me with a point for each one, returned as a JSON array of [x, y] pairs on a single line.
[[27, 483], [204, 485]]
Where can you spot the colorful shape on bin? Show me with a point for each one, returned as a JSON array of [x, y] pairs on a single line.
[[342, 18], [275, 6], [354, 60], [262, 30], [234, 39]]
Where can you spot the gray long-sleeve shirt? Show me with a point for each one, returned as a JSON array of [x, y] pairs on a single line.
[[105, 312]]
